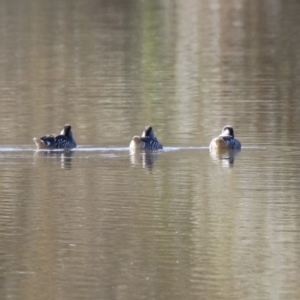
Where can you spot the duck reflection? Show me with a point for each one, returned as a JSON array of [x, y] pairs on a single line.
[[64, 156], [226, 157], [145, 158]]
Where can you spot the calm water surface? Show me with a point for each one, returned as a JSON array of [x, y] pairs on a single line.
[[102, 223]]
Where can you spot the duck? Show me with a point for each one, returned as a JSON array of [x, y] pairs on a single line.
[[225, 141], [64, 140], [147, 140]]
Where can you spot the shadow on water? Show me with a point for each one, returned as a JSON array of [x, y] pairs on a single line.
[[65, 157]]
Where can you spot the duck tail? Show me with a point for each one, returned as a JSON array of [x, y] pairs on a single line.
[[40, 143], [218, 144], [136, 143]]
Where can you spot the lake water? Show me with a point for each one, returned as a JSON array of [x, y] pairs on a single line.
[[102, 223]]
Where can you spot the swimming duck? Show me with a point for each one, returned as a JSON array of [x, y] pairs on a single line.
[[64, 140], [148, 140], [225, 141]]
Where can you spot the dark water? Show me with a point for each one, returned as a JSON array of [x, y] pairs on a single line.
[[102, 223]]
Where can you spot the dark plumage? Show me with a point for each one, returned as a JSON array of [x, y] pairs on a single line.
[[225, 141], [148, 140], [64, 140]]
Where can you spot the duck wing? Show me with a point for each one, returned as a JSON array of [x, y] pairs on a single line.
[[152, 144]]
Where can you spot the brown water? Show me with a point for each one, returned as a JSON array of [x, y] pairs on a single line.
[[101, 223]]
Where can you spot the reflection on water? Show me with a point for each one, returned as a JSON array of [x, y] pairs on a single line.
[[63, 156], [226, 157], [145, 158], [188, 228]]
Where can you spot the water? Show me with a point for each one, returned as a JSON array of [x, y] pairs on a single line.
[[102, 223]]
